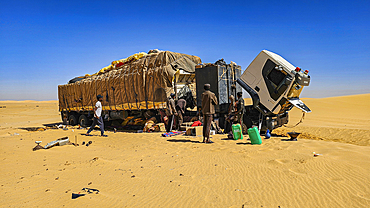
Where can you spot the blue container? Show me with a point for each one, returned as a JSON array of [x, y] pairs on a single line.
[[267, 135]]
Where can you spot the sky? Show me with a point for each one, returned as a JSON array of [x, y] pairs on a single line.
[[44, 44]]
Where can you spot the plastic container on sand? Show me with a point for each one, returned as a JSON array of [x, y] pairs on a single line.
[[254, 135], [237, 131]]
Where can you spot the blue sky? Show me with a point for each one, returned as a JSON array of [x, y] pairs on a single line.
[[46, 43]]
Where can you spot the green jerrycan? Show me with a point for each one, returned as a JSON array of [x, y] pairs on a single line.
[[237, 131], [254, 135]]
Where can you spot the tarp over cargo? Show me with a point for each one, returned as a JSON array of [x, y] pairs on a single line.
[[142, 84]]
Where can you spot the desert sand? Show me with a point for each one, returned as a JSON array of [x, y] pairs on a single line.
[[147, 170]]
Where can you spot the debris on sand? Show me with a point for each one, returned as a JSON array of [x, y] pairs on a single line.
[[75, 196], [316, 154], [91, 190], [34, 128], [38, 146], [58, 142]]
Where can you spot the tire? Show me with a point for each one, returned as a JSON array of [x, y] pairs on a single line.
[[83, 121], [72, 120]]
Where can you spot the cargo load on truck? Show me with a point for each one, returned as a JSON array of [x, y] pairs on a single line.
[[142, 84]]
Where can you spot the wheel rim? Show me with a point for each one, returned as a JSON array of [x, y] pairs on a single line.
[[83, 122], [72, 120]]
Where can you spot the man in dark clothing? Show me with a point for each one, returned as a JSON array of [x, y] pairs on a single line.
[[170, 111], [209, 101], [240, 109], [231, 114], [180, 109]]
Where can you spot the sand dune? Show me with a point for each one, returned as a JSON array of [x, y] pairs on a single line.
[[147, 170], [340, 119]]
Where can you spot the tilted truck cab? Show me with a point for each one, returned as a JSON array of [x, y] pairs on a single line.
[[274, 85]]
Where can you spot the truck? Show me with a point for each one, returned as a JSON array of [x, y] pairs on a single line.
[[138, 89]]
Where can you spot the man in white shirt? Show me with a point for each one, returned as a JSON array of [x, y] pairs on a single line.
[[98, 119]]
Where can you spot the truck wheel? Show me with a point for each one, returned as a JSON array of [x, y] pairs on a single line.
[[83, 121], [72, 120]]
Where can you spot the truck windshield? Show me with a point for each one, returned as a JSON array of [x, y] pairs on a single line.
[[276, 76], [276, 80]]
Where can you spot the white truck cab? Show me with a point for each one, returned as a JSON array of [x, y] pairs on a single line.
[[274, 83]]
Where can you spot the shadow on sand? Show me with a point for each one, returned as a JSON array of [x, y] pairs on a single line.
[[227, 139], [182, 140], [52, 124], [289, 140], [90, 135], [244, 143], [276, 135]]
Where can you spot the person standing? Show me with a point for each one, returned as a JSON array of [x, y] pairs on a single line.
[[231, 114], [209, 101], [240, 109], [98, 119], [180, 109], [170, 111]]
